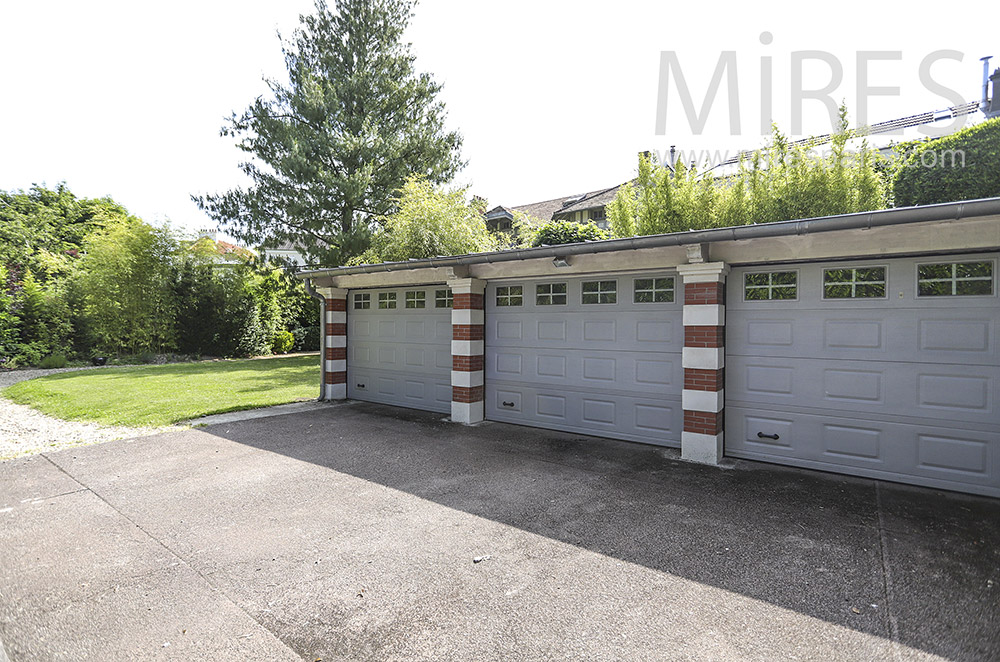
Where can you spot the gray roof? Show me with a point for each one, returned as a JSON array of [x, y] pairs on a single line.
[[592, 200], [548, 209]]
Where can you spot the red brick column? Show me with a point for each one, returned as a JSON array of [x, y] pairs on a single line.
[[335, 330], [704, 360], [467, 350]]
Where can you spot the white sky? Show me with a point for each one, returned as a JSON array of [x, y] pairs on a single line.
[[553, 98]]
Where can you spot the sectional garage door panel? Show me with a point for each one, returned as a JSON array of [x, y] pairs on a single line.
[[931, 455], [399, 356], [608, 369], [896, 386]]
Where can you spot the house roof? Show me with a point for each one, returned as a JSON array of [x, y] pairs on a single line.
[[544, 210], [548, 209], [592, 200]]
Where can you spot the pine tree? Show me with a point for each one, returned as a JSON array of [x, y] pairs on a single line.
[[335, 142]]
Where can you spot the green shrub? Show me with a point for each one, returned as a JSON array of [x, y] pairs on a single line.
[[306, 338], [282, 342], [53, 361], [962, 166], [554, 233]]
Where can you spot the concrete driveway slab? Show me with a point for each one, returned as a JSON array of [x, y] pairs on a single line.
[[374, 533]]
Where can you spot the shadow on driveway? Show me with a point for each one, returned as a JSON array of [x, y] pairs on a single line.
[[911, 565]]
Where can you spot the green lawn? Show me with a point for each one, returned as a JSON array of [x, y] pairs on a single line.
[[164, 394]]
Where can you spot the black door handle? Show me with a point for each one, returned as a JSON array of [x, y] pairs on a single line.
[[508, 404], [361, 385], [761, 435]]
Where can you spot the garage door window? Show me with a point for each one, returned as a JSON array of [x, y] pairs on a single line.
[[386, 300], [600, 291], [854, 283], [443, 299], [550, 294], [955, 279], [362, 301], [770, 286], [653, 290], [416, 299], [512, 295]]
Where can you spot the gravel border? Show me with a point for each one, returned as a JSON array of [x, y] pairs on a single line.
[[25, 431]]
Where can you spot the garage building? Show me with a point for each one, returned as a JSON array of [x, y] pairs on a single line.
[[865, 344]]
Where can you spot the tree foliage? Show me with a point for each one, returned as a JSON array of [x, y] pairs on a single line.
[[780, 182], [429, 222], [42, 230], [962, 166], [554, 233], [125, 288], [352, 123]]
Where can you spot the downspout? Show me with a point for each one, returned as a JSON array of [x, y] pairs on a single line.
[[311, 291]]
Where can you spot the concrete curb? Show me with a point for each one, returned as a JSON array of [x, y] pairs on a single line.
[[264, 412]]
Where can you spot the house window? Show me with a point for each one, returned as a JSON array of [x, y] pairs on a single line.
[[653, 290], [955, 279], [512, 295], [550, 294], [416, 299], [600, 291], [770, 285], [362, 301], [443, 299], [854, 283], [386, 300], [598, 214]]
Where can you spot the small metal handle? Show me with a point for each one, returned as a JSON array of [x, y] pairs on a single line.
[[761, 435], [361, 385], [508, 404]]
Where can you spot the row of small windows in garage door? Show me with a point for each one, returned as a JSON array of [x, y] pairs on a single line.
[[644, 290], [413, 299], [868, 282], [937, 279]]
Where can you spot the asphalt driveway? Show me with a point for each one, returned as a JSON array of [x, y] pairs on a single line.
[[363, 532]]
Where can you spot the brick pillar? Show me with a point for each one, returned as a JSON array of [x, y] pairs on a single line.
[[335, 329], [704, 360], [467, 350]]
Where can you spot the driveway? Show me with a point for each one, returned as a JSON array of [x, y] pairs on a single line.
[[363, 532]]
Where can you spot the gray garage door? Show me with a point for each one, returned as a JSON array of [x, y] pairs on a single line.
[[399, 347], [597, 355], [887, 369]]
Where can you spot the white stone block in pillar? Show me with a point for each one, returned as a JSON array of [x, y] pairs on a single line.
[[704, 448], [467, 412]]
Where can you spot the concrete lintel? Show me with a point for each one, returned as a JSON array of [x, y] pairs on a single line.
[[467, 286], [704, 272]]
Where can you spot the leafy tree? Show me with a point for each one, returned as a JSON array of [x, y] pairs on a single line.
[[42, 230], [125, 287], [962, 166], [334, 143], [554, 233], [429, 222]]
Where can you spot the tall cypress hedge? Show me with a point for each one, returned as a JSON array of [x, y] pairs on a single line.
[[962, 166]]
